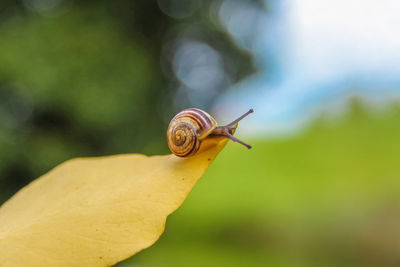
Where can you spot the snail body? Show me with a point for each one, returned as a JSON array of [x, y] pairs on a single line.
[[190, 126]]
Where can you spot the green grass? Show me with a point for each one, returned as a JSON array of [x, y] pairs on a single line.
[[328, 197]]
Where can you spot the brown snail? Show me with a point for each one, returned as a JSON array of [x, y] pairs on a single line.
[[190, 126]]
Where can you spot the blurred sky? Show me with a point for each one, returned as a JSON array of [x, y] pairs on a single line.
[[307, 55], [312, 55]]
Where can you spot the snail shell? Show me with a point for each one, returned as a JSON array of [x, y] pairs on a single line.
[[187, 129]]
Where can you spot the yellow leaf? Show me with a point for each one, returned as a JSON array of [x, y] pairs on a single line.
[[98, 211]]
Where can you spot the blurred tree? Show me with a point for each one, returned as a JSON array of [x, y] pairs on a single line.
[[83, 78]]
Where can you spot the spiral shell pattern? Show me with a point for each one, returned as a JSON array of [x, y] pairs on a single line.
[[187, 129]]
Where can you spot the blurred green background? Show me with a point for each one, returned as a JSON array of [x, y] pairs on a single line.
[[86, 79], [91, 78]]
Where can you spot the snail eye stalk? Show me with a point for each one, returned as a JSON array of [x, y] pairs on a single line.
[[228, 129], [241, 117]]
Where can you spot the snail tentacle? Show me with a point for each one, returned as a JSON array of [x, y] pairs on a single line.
[[228, 129], [240, 118]]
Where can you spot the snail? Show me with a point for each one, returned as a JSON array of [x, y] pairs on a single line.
[[190, 126]]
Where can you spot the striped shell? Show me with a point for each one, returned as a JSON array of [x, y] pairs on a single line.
[[187, 129]]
